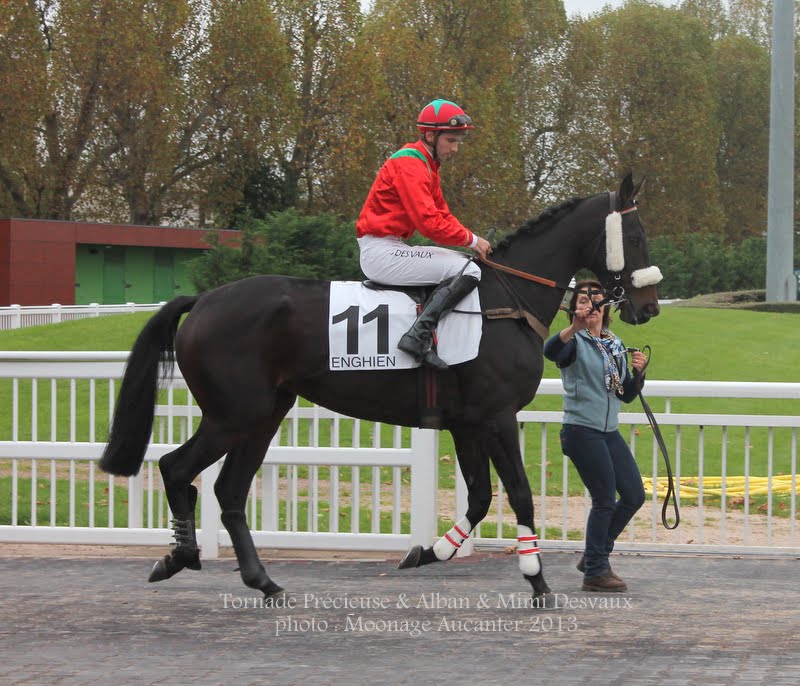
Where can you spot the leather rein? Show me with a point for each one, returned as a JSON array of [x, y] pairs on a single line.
[[522, 309]]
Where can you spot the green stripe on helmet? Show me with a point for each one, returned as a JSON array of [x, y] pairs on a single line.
[[437, 104]]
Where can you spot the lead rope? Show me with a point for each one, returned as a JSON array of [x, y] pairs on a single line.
[[662, 445]]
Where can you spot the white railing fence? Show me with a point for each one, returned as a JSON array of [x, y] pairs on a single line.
[[327, 482], [17, 316], [735, 474], [332, 482]]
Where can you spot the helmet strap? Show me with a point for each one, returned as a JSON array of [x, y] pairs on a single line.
[[435, 144]]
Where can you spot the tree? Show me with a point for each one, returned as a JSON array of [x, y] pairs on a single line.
[[310, 246], [135, 110], [52, 72], [336, 108], [743, 78], [464, 52], [645, 100], [711, 13], [201, 93], [753, 19], [542, 97]]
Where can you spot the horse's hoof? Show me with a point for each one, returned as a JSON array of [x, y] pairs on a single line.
[[412, 558], [160, 570], [193, 561], [544, 601], [271, 589]]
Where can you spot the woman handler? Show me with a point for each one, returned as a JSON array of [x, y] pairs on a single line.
[[596, 380]]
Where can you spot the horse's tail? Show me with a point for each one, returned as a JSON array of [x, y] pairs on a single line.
[[135, 409]]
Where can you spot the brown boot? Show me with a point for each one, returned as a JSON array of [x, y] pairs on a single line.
[[581, 567], [604, 583]]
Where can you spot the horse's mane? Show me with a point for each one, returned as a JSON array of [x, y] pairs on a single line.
[[541, 223]]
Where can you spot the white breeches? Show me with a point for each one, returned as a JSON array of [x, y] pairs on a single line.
[[391, 261]]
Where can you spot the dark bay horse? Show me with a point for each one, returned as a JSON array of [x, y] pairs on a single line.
[[248, 349]]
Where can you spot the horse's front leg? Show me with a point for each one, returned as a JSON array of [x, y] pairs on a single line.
[[474, 464], [507, 459]]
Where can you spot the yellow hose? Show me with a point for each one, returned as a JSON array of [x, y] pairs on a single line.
[[688, 486]]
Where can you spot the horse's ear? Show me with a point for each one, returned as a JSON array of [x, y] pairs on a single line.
[[626, 191], [638, 187]]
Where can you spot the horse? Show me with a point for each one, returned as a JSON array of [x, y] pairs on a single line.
[[249, 348]]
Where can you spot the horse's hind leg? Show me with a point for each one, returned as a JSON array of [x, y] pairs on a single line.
[[178, 469], [505, 454], [470, 447], [232, 486]]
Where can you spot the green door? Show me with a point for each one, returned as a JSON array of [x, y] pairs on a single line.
[[163, 275], [183, 284], [88, 274], [139, 274], [113, 274]]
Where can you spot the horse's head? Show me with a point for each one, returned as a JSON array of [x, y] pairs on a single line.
[[626, 271]]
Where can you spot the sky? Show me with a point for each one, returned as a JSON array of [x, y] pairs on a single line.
[[586, 7], [582, 7]]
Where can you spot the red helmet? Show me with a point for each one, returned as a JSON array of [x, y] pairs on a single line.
[[443, 115]]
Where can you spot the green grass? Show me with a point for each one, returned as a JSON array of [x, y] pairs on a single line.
[[77, 508], [714, 344], [687, 343], [114, 332], [78, 511]]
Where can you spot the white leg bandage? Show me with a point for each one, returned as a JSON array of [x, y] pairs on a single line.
[[528, 551], [448, 544]]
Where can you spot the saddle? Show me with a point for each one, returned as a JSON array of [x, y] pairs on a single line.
[[419, 294]]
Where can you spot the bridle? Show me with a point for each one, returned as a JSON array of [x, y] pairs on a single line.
[[615, 260], [615, 254]]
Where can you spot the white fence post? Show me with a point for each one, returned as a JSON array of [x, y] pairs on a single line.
[[209, 514], [16, 317], [136, 500], [424, 486], [56, 316], [269, 508]]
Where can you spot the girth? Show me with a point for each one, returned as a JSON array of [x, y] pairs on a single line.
[[519, 313]]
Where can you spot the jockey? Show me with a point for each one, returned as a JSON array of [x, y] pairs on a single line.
[[406, 197]]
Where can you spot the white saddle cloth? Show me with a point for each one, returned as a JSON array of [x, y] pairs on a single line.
[[365, 325]]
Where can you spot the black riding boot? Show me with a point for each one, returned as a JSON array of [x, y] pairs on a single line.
[[417, 341]]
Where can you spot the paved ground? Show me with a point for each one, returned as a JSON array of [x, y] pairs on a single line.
[[685, 620]]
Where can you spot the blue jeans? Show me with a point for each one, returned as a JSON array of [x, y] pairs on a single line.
[[606, 466]]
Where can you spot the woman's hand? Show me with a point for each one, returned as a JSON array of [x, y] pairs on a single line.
[[638, 360], [579, 319]]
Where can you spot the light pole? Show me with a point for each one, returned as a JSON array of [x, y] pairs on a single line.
[[781, 282]]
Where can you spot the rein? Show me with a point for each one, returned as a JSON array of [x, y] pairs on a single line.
[[663, 446], [520, 274], [519, 312]]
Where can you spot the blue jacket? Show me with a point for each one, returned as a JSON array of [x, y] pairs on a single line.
[[587, 401]]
